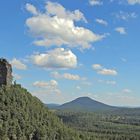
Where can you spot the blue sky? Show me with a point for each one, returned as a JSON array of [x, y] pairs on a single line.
[[61, 50]]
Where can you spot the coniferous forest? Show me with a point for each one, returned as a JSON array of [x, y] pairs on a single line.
[[119, 125], [24, 117]]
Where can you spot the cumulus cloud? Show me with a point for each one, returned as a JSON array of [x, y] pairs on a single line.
[[71, 76], [133, 2], [104, 71], [95, 2], [42, 84], [30, 8], [56, 26], [68, 76], [58, 58], [18, 64], [120, 30], [57, 9], [101, 21], [46, 87], [96, 66]]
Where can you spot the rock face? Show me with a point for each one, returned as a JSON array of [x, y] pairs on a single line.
[[5, 72]]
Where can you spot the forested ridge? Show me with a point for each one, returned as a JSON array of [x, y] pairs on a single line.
[[24, 117]]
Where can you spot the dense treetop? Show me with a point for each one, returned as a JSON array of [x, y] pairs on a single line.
[[24, 117]]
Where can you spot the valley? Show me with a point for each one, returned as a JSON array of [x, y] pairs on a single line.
[[100, 121]]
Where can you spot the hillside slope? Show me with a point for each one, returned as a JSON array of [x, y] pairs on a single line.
[[85, 104], [24, 117]]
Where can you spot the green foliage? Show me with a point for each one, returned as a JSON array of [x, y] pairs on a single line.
[[24, 117], [119, 125]]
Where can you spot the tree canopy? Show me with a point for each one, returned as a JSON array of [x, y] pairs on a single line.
[[24, 117]]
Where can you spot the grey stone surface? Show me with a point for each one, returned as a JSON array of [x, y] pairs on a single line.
[[5, 72]]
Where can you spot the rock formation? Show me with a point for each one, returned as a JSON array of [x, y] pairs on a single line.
[[5, 72]]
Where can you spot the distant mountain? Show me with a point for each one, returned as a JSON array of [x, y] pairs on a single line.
[[85, 104], [52, 105]]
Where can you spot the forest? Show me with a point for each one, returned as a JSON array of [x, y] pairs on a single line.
[[123, 124], [24, 117]]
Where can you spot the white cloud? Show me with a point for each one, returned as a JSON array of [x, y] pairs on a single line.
[[104, 71], [30, 8], [58, 58], [49, 88], [55, 9], [120, 30], [133, 2], [68, 76], [125, 15], [56, 26], [42, 84], [18, 64], [96, 66], [49, 96], [101, 21], [95, 2]]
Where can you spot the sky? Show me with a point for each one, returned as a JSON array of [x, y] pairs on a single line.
[[61, 50]]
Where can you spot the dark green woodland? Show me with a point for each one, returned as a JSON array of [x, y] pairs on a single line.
[[24, 117], [122, 124]]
